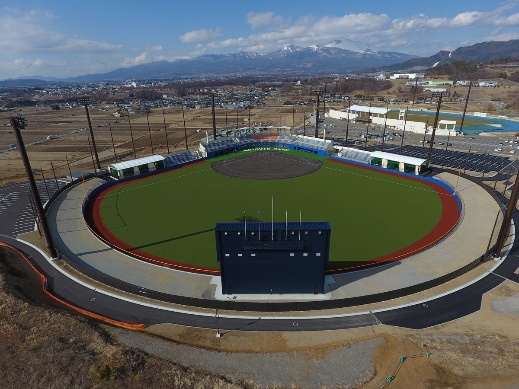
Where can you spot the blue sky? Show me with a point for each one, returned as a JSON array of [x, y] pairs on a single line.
[[68, 38]]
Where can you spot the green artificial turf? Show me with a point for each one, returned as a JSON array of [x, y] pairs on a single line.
[[173, 215]]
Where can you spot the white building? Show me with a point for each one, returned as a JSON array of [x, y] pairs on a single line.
[[409, 76]]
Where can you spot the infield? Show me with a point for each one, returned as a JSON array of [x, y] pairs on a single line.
[[375, 215]]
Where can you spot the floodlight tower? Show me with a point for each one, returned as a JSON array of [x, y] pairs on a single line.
[[214, 117], [18, 123], [85, 100], [439, 95], [317, 93]]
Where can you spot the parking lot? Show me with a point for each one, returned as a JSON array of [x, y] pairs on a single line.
[[16, 206], [475, 162]]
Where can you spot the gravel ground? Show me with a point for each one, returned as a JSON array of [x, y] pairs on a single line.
[[342, 367]]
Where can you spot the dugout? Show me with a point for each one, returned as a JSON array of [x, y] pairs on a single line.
[[137, 166], [399, 162], [266, 258]]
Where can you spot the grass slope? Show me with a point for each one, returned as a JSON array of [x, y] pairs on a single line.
[[173, 215]]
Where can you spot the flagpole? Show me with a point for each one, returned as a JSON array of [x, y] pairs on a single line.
[[272, 218], [300, 222], [259, 227], [286, 224]]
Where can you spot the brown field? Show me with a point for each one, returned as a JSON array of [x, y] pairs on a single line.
[[164, 131]]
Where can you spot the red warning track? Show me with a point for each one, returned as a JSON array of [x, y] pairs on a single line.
[[448, 221]]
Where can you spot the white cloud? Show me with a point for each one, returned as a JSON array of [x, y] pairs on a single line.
[[380, 31], [140, 59], [503, 36], [29, 33], [511, 20], [264, 19], [196, 36]]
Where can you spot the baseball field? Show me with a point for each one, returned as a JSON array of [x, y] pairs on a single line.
[[375, 215]]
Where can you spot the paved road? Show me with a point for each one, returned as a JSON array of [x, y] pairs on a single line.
[[421, 315], [17, 211]]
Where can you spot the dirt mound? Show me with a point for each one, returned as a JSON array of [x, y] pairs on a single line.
[[267, 165]]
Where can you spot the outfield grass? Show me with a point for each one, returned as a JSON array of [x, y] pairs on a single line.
[[173, 215]]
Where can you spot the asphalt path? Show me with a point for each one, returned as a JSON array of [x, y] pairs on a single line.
[[336, 130], [17, 213], [419, 315]]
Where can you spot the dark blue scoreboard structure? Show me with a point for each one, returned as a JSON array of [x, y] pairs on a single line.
[[263, 258]]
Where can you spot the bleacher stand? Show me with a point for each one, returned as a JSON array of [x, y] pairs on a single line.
[[355, 155], [181, 157]]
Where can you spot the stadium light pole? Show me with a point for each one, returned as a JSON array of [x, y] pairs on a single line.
[[149, 131], [465, 108], [317, 93], [85, 100], [384, 130], [503, 232], [131, 134], [440, 95], [293, 117], [415, 87], [304, 122], [112, 137], [165, 129], [249, 116], [403, 133], [367, 126], [214, 117], [184, 119], [347, 124], [17, 124]]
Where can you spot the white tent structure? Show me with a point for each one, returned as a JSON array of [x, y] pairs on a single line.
[[402, 163], [136, 166]]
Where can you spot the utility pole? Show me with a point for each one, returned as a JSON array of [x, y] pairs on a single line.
[[85, 101], [19, 123]]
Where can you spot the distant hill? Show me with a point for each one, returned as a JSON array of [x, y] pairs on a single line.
[[291, 60], [21, 82], [477, 53]]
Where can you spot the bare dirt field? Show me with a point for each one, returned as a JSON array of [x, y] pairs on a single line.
[[131, 138]]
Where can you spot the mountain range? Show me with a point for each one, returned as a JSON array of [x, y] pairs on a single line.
[[290, 60]]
